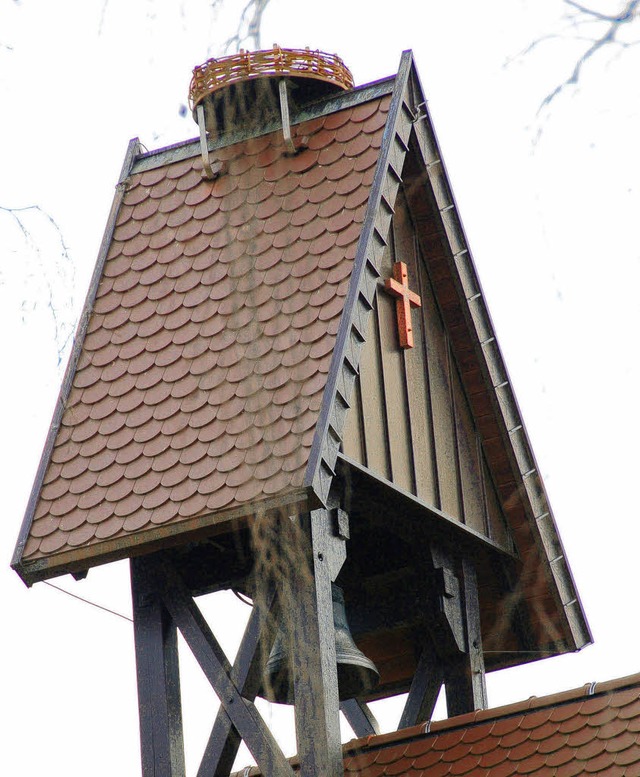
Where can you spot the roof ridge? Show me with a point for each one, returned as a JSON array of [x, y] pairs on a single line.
[[176, 152], [588, 690]]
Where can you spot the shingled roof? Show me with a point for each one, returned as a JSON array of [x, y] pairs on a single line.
[[208, 343], [590, 730]]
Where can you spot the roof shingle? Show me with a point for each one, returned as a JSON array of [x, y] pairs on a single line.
[[207, 352], [585, 731], [529, 737]]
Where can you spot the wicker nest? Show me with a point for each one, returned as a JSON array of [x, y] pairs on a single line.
[[217, 74]]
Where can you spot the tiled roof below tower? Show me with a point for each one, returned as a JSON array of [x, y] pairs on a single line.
[[590, 730]]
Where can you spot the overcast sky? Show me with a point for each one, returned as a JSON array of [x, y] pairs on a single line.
[[552, 224]]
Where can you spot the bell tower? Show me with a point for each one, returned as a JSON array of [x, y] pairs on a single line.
[[286, 383]]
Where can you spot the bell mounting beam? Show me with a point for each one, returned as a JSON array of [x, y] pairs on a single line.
[[452, 651], [465, 681]]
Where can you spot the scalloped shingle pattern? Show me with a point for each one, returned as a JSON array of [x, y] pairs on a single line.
[[578, 732], [206, 355], [559, 736]]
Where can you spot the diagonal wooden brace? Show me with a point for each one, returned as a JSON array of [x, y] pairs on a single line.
[[424, 690], [360, 717], [224, 740], [242, 714]]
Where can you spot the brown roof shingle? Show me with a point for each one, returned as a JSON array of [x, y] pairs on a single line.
[[207, 350]]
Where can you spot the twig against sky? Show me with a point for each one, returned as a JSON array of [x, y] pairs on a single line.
[[249, 25], [581, 20], [60, 271]]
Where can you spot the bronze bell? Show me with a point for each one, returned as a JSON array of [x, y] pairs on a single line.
[[356, 673]]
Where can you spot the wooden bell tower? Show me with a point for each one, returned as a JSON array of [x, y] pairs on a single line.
[[286, 382]]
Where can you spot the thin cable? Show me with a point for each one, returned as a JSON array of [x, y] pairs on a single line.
[[86, 601], [523, 652]]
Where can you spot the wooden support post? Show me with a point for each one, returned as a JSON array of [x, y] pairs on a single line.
[[156, 645], [424, 690], [465, 675], [360, 718], [308, 602]]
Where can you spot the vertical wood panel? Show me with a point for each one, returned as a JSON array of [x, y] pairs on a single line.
[[497, 522], [353, 440], [420, 429], [424, 463], [373, 411], [442, 410], [469, 463], [420, 412], [395, 388]]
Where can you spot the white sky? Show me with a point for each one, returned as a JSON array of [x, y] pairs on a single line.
[[553, 229]]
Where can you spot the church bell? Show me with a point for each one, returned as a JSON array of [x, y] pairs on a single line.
[[356, 673]]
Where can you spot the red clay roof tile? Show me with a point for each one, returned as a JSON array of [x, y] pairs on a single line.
[[518, 739], [197, 303]]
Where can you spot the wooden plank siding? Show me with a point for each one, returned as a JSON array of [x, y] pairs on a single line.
[[410, 420]]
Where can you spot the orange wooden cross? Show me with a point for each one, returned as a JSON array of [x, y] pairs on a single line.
[[398, 287]]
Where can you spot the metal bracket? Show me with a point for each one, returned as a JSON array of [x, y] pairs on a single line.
[[420, 112], [284, 112], [210, 170]]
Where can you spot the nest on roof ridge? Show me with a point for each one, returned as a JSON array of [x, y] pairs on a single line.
[[276, 63]]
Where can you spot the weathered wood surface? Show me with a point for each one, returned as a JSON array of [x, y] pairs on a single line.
[[308, 601], [156, 645], [207, 651], [360, 717], [465, 681], [410, 420], [246, 674], [424, 690]]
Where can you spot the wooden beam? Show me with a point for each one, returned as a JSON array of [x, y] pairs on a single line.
[[223, 743], [207, 651], [360, 717], [156, 645], [464, 674], [424, 690], [308, 602]]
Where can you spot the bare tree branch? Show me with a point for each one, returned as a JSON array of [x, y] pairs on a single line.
[[609, 26], [249, 25], [60, 270]]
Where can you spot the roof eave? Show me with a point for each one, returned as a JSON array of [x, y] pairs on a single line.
[[133, 150], [161, 537]]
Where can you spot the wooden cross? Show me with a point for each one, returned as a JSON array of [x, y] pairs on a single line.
[[398, 287]]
